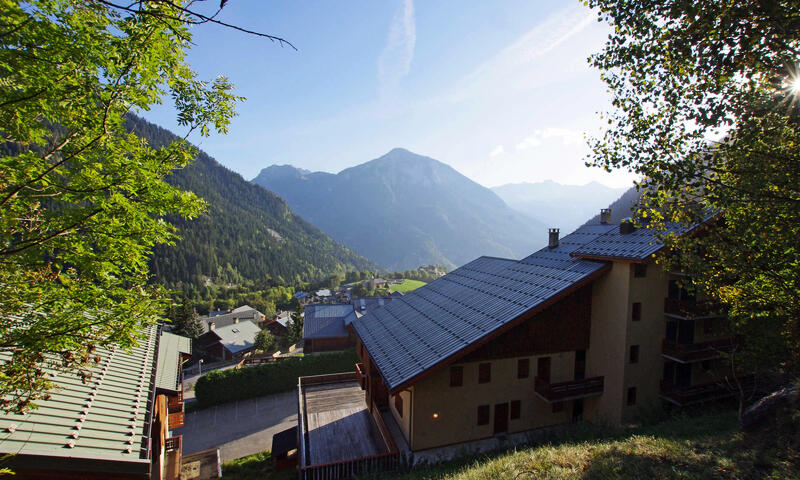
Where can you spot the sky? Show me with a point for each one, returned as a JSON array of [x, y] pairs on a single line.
[[499, 90]]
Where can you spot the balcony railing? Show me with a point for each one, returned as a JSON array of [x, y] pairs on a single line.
[[691, 308], [172, 448], [571, 390], [683, 396], [697, 352], [176, 415], [362, 376], [173, 444]]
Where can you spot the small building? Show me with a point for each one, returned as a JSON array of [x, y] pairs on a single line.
[[239, 314], [279, 324], [115, 425], [325, 327], [229, 342]]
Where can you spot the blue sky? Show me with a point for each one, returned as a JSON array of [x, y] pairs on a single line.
[[499, 90]]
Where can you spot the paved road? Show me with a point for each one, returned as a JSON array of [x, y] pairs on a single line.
[[241, 428]]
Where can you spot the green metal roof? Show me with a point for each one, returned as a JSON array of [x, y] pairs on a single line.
[[168, 372], [106, 418]]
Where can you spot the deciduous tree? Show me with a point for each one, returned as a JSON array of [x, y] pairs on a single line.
[[706, 111], [82, 201]]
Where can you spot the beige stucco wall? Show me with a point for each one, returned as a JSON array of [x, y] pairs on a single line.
[[607, 351], [648, 333], [457, 407], [404, 420]]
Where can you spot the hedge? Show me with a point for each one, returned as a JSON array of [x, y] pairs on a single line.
[[222, 386]]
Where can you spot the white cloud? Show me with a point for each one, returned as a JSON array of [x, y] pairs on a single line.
[[565, 135], [498, 150], [394, 62]]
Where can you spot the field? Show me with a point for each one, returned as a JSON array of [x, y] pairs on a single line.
[[406, 286]]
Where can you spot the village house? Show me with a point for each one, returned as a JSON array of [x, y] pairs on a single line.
[[229, 342], [239, 314], [115, 425], [586, 328], [325, 327]]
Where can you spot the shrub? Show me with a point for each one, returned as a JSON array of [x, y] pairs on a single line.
[[222, 386]]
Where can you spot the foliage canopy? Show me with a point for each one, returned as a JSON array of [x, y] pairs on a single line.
[[706, 111], [83, 201]]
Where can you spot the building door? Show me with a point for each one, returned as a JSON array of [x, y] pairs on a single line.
[[577, 410], [500, 418], [543, 369]]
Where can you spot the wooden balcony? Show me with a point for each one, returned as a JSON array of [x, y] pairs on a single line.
[[571, 390], [173, 453], [362, 375], [176, 415], [704, 392], [691, 308], [698, 352]]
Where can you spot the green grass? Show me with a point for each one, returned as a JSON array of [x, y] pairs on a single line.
[[255, 467], [406, 286], [708, 446]]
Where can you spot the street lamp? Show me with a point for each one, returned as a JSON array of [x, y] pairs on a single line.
[[200, 366]]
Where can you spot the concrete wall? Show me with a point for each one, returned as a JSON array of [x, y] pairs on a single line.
[[457, 407]]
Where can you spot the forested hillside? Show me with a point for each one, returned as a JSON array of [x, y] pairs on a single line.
[[247, 234]]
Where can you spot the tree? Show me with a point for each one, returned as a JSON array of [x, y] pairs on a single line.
[[83, 201], [706, 111], [295, 327], [264, 340], [186, 321]]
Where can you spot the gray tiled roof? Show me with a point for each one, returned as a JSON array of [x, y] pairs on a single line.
[[415, 332], [368, 304], [237, 337], [637, 245], [243, 313], [327, 321], [105, 418]]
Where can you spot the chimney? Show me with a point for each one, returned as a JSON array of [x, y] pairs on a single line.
[[211, 325], [605, 216], [626, 226], [553, 238]]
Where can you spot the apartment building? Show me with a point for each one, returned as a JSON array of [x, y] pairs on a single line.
[[589, 327], [115, 425]]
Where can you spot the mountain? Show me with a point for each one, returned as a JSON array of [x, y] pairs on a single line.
[[621, 207], [246, 234], [563, 206], [403, 210]]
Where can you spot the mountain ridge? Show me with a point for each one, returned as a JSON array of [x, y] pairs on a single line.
[[406, 210], [247, 233]]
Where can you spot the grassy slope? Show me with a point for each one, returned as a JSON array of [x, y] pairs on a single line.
[[406, 286], [709, 446]]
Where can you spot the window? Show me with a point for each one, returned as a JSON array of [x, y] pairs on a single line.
[[484, 373], [632, 396], [515, 408], [558, 407], [639, 270], [483, 415], [634, 354], [398, 404], [636, 312], [523, 368], [456, 376]]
